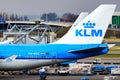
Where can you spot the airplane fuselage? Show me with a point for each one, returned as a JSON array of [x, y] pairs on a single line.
[[32, 55]]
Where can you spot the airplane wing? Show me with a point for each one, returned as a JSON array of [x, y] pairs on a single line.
[[10, 59], [88, 50]]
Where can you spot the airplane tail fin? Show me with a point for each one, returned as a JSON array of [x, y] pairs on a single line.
[[80, 18], [90, 30]]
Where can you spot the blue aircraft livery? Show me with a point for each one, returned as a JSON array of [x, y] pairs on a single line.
[[66, 49], [93, 32]]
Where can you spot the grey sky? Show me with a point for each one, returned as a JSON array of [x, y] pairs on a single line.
[[37, 7]]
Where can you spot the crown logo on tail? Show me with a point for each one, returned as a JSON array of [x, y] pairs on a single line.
[[89, 25]]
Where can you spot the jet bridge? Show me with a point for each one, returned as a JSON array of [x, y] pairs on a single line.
[[30, 34]]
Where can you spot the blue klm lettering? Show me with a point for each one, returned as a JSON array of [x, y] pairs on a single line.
[[93, 33]]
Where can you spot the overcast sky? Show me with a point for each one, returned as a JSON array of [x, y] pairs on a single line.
[[37, 7]]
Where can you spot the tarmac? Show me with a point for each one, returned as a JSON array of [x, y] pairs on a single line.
[[52, 77]]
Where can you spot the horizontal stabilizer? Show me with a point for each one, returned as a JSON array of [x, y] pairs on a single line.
[[111, 45], [88, 50]]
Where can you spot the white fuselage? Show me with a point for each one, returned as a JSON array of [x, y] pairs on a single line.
[[26, 64]]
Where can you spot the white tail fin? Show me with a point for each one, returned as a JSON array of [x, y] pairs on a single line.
[[80, 18], [90, 30]]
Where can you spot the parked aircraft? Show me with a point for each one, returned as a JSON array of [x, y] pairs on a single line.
[[81, 41]]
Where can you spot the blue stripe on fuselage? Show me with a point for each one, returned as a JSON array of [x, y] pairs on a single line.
[[48, 51]]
